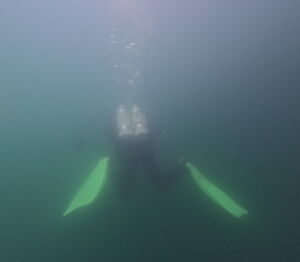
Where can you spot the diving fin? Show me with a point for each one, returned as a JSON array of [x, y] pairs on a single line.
[[88, 192], [216, 194]]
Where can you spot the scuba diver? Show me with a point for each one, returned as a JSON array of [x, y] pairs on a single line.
[[133, 149]]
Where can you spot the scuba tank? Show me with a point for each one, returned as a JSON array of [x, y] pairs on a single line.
[[124, 127], [139, 121]]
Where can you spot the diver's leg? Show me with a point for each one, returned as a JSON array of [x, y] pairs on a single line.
[[126, 180], [157, 177], [123, 171]]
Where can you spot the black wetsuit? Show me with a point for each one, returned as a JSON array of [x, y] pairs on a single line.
[[132, 153]]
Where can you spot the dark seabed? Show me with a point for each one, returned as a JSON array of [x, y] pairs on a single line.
[[220, 81]]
